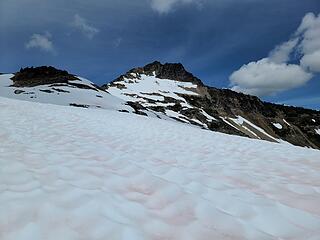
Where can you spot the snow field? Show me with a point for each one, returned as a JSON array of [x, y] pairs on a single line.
[[68, 173]]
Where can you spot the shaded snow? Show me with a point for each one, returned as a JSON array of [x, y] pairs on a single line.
[[69, 173]]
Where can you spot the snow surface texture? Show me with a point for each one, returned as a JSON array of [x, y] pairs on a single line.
[[71, 173], [62, 94]]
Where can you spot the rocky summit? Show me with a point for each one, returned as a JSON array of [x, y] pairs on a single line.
[[168, 91]]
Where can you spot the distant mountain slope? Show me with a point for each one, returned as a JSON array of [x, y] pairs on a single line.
[[169, 91], [50, 85]]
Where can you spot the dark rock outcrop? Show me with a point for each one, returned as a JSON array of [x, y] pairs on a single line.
[[79, 105], [30, 76], [18, 91]]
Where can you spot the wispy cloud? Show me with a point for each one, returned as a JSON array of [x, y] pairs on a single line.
[[310, 44], [81, 24], [165, 6], [275, 73], [41, 41], [117, 42]]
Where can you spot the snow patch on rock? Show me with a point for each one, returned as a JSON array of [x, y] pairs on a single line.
[[153, 88], [286, 122], [240, 121], [153, 92], [277, 125]]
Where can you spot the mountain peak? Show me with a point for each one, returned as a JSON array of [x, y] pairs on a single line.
[[171, 71], [156, 65]]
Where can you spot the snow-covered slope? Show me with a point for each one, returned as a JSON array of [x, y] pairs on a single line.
[[152, 92], [70, 173], [78, 93]]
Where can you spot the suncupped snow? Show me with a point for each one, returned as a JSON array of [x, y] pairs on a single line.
[[70, 173]]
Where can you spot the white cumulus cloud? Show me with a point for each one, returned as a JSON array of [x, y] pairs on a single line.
[[81, 24], [310, 44], [274, 73], [165, 6], [41, 41], [311, 61], [282, 52], [265, 77]]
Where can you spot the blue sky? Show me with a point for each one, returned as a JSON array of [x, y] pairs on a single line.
[[101, 39]]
